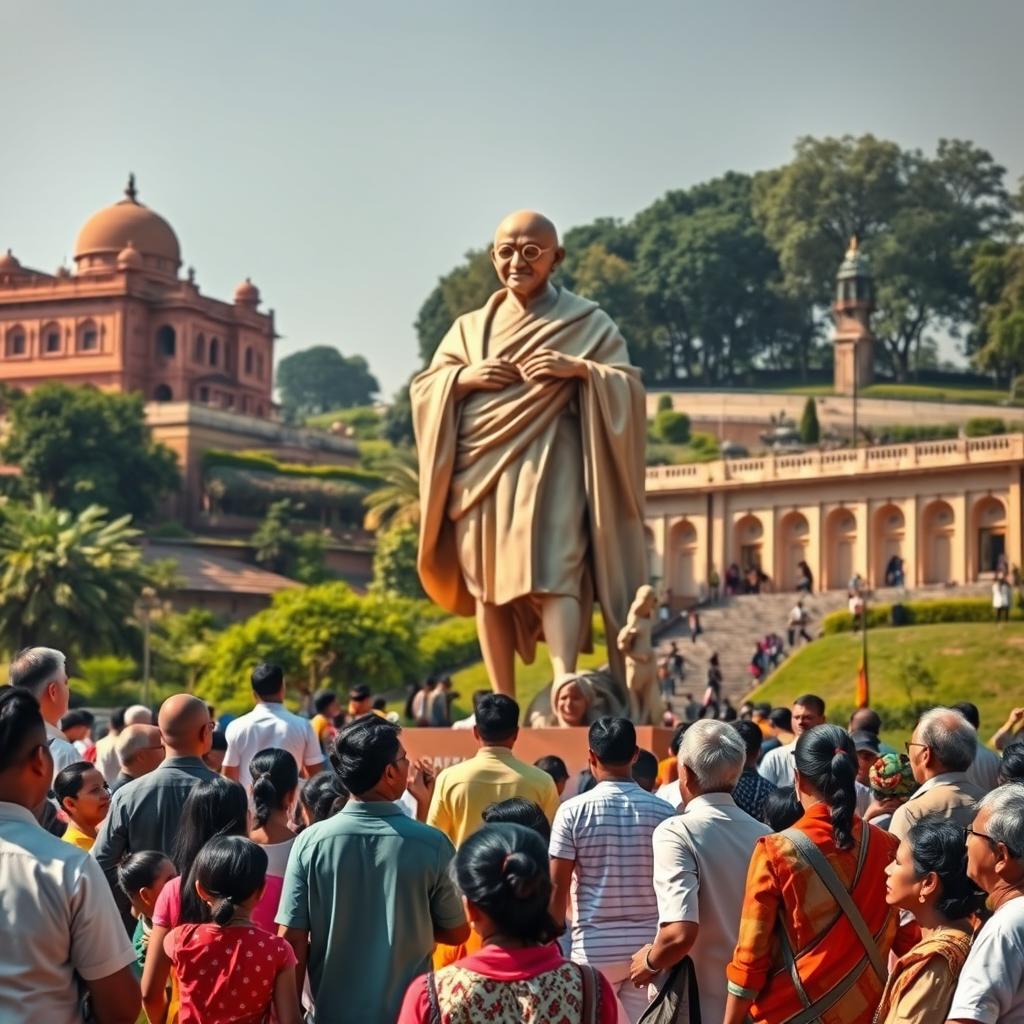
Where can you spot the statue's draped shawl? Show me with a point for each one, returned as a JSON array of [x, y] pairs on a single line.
[[487, 457]]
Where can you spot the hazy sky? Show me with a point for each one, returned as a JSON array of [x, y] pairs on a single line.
[[346, 155]]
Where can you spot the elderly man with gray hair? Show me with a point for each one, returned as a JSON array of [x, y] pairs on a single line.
[[140, 750], [700, 862], [941, 751], [991, 985]]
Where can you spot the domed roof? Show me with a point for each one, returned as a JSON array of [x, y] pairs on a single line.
[[112, 229], [855, 263], [247, 294], [8, 263], [129, 258]]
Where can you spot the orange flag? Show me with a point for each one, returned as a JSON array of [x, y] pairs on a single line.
[[863, 699]]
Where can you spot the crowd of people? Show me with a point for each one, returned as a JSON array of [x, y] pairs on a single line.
[[774, 868]]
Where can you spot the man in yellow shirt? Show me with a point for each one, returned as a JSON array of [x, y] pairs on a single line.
[[494, 773]]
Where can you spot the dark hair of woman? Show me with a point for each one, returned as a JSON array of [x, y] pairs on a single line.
[[1011, 768], [215, 807], [503, 869], [274, 776], [937, 844], [68, 782], [782, 809], [323, 796], [518, 811], [826, 759], [231, 869], [140, 870]]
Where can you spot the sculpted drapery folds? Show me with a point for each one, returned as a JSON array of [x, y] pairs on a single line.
[[532, 490]]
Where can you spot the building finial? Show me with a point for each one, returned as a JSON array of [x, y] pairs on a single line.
[[130, 191]]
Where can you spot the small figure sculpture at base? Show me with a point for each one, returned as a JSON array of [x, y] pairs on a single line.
[[634, 641]]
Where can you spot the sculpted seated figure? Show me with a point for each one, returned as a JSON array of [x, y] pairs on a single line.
[[530, 427]]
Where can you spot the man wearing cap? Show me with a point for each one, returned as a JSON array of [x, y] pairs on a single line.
[[868, 751], [360, 701]]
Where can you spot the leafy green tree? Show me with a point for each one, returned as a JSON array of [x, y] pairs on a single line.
[[320, 634], [80, 446], [394, 563], [920, 218], [67, 580], [106, 680], [997, 275], [396, 424], [466, 287], [275, 543], [180, 643], [310, 558], [320, 379], [397, 501], [810, 430]]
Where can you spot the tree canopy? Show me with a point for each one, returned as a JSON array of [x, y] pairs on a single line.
[[80, 446], [726, 279], [320, 379]]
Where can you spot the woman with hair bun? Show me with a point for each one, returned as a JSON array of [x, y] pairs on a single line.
[[228, 971], [816, 932], [929, 879], [519, 976], [275, 785]]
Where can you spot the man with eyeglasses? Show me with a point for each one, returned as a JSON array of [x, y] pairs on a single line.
[[530, 427], [991, 985], [940, 751]]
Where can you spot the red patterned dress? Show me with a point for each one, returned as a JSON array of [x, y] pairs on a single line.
[[508, 986]]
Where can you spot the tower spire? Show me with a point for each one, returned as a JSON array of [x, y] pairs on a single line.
[[130, 190]]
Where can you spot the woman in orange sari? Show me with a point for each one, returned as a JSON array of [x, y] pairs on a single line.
[[929, 879], [815, 931]]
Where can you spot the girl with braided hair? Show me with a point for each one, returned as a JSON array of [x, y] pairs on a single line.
[[275, 787]]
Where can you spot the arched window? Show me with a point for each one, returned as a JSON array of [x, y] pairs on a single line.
[[16, 343], [87, 337], [166, 341], [214, 351], [199, 349], [259, 365], [248, 359], [51, 338], [163, 393]]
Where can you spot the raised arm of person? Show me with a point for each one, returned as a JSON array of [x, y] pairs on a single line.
[[1007, 732]]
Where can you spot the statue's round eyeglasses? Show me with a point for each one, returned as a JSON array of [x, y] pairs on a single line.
[[530, 252]]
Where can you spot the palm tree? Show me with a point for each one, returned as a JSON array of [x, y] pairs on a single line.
[[67, 580], [397, 501]]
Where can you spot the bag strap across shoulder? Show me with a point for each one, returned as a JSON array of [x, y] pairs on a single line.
[[821, 867], [591, 994]]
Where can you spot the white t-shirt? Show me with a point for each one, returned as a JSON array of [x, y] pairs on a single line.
[[671, 794], [991, 985], [778, 766], [266, 726]]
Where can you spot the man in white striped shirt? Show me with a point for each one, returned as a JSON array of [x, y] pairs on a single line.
[[603, 860]]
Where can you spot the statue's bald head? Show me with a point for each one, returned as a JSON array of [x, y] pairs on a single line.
[[526, 252], [184, 723], [527, 225]]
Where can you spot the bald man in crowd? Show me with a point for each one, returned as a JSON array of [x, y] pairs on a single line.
[[530, 428], [145, 813]]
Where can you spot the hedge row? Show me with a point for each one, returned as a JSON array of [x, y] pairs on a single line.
[[448, 645], [921, 613], [268, 464]]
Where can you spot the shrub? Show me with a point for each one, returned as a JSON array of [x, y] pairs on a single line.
[[665, 403], [920, 613], [899, 433], [448, 644], [672, 427], [810, 430], [984, 426]]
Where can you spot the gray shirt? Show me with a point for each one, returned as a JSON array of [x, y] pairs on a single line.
[[146, 812]]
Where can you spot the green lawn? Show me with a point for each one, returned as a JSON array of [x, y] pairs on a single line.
[[980, 662], [530, 679]]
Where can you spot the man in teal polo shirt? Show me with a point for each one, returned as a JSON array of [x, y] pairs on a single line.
[[367, 893]]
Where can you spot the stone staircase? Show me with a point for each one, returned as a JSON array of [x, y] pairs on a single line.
[[734, 625]]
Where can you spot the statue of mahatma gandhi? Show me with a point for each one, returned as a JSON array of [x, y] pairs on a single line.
[[530, 427]]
